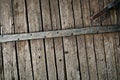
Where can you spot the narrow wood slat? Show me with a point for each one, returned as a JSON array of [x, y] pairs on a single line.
[[70, 48], [117, 45], [77, 6], [37, 46], [49, 47], [8, 49], [23, 53], [58, 43], [1, 57]]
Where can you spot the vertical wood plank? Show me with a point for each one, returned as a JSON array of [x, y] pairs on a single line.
[[49, 47], [70, 48], [23, 53], [58, 43], [109, 50], [81, 40], [37, 46], [1, 55], [89, 41], [98, 43], [117, 46], [8, 49]]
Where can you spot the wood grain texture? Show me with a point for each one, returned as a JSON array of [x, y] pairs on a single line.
[[58, 43], [8, 49], [117, 45], [109, 49], [98, 43], [77, 8], [49, 47], [23, 53], [70, 48], [1, 55], [89, 42], [37, 46]]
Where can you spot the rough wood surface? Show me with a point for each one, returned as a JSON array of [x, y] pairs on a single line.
[[74, 57], [98, 42], [77, 8], [49, 47], [8, 49], [58, 42], [23, 53], [117, 46], [70, 48], [89, 42], [37, 46], [109, 49], [1, 55]]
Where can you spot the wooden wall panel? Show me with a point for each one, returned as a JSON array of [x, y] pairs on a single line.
[[78, 18], [98, 42], [8, 49], [36, 46], [70, 48], [49, 46], [23, 52], [89, 42], [109, 49], [58, 42]]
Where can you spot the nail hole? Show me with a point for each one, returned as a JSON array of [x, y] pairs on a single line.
[[60, 60], [39, 57]]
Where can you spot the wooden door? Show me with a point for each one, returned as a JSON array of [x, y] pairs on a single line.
[[81, 57]]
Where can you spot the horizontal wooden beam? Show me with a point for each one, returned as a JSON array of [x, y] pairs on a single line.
[[58, 33]]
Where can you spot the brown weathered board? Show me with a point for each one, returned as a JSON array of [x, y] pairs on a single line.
[[89, 42], [109, 49], [98, 43]]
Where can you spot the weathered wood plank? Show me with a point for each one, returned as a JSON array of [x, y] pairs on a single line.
[[8, 49], [49, 47], [38, 54], [1, 55], [98, 43], [109, 50], [81, 40], [89, 42], [23, 53], [70, 48], [58, 43], [117, 46]]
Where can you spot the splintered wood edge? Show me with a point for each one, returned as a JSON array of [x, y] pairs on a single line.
[[58, 33]]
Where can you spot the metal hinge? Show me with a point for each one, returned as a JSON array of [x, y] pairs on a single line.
[[58, 33]]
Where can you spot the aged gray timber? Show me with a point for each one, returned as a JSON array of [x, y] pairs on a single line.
[[58, 33], [37, 51], [8, 49]]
